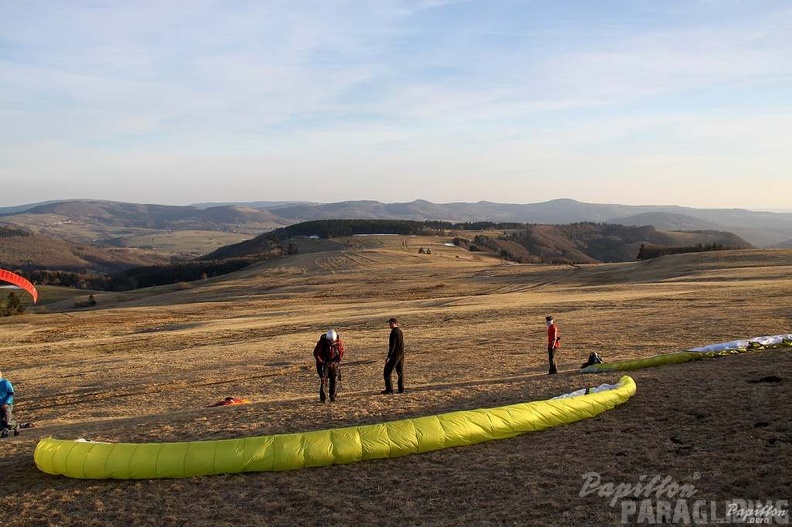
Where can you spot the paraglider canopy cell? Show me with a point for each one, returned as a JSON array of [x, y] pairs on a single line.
[[15, 279]]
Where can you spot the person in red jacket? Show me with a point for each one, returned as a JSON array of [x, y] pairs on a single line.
[[328, 352], [553, 343]]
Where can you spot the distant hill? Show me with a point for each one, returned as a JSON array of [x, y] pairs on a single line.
[[102, 223], [94, 222], [22, 208], [585, 242], [588, 242], [761, 229], [265, 205], [61, 262], [667, 221], [327, 229], [116, 214], [21, 250]]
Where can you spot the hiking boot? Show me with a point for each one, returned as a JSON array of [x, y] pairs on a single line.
[[386, 392], [332, 399], [401, 390], [4, 434]]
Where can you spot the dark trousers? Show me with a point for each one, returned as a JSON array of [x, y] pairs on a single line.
[[327, 376], [551, 352], [7, 417], [394, 363]]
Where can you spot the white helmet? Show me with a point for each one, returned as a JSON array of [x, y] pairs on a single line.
[[331, 336]]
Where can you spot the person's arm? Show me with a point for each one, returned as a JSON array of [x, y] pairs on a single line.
[[399, 346], [9, 393], [391, 344], [318, 352]]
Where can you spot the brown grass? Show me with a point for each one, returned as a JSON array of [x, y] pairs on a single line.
[[145, 365]]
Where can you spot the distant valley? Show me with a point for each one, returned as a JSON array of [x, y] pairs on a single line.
[[92, 236], [107, 222]]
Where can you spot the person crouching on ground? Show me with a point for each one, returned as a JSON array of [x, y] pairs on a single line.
[[328, 353], [7, 420]]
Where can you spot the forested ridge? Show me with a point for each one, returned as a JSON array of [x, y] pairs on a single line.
[[576, 243]]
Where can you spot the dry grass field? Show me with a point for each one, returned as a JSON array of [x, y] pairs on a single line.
[[146, 365]]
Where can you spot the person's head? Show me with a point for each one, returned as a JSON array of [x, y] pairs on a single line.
[[331, 335], [549, 320], [393, 322]]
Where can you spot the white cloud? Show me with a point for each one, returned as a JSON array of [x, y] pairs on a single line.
[[503, 95]]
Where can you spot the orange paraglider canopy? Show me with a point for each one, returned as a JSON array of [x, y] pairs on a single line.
[[229, 401], [13, 278]]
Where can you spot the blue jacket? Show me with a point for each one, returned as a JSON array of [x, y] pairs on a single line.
[[6, 392]]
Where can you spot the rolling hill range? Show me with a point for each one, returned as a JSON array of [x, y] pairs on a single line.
[[57, 262], [146, 366], [35, 251], [98, 222], [574, 243], [761, 229], [115, 223], [104, 236], [28, 252]]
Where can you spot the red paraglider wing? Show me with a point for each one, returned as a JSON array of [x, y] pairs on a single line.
[[13, 278]]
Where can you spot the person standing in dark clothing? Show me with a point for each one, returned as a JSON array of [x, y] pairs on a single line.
[[553, 343], [395, 359], [328, 352]]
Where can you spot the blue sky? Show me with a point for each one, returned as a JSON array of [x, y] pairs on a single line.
[[176, 102]]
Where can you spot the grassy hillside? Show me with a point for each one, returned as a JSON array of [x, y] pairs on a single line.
[[28, 252], [595, 242], [762, 229], [129, 224], [574, 243], [89, 221], [160, 259], [145, 365]]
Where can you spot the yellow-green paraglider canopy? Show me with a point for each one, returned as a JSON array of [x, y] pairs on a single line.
[[712, 350], [93, 460]]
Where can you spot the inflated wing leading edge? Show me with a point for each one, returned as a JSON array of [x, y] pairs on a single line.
[[94, 460]]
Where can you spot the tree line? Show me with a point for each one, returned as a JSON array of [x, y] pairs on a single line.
[[584, 242], [647, 252]]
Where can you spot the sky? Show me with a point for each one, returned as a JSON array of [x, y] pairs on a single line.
[[673, 102]]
